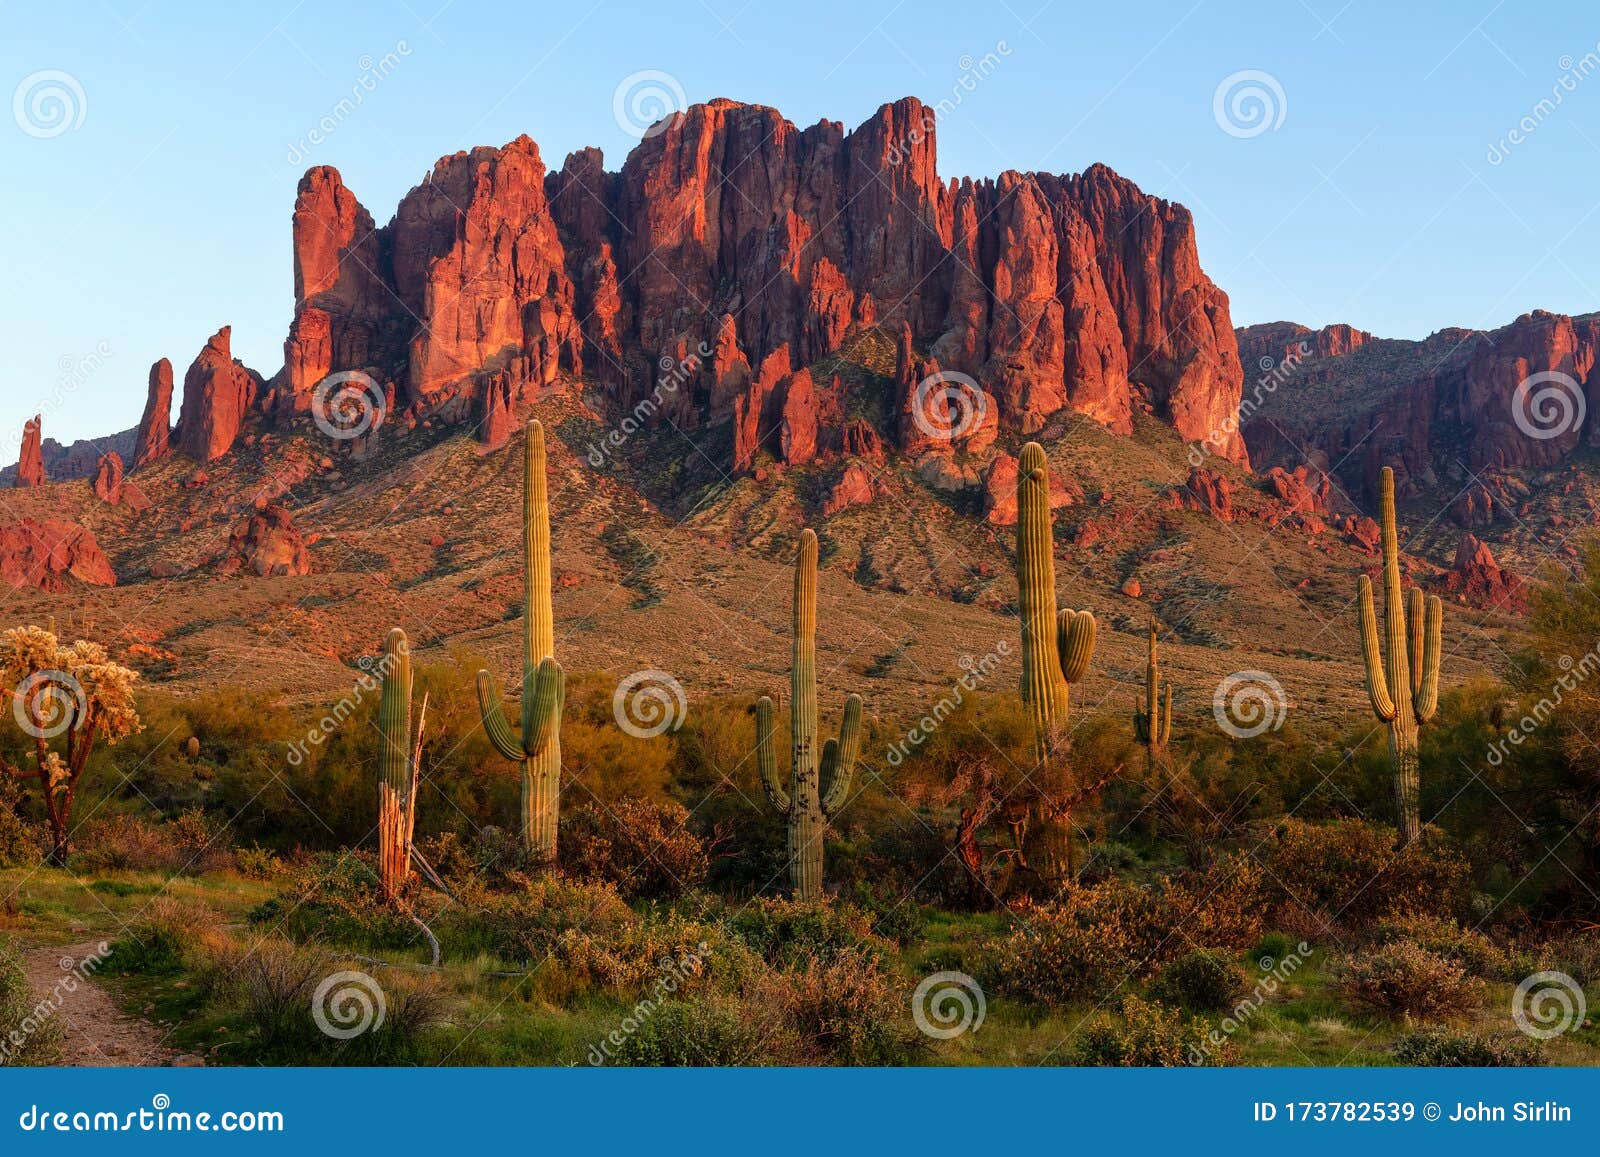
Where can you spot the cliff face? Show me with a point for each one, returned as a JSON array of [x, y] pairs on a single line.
[[1523, 396], [733, 238]]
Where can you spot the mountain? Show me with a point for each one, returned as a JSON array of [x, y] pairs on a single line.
[[746, 329]]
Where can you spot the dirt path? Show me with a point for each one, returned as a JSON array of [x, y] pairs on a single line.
[[94, 1030]]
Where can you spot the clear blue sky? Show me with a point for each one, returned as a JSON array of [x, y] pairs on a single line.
[[165, 213]]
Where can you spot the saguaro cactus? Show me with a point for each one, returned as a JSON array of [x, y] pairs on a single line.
[[544, 683], [396, 802], [804, 803], [1152, 724], [1056, 649], [1404, 687]]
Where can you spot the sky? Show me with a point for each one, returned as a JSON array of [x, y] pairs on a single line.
[[1390, 166]]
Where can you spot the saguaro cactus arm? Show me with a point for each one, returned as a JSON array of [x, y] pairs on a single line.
[[1426, 700], [1372, 654], [767, 756], [839, 758], [543, 696], [1075, 643], [500, 735]]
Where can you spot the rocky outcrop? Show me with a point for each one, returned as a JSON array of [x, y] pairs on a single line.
[[1000, 491], [108, 479], [1207, 491], [152, 441], [735, 233], [219, 394], [1474, 577], [52, 556], [855, 487], [30, 465], [266, 544], [1276, 344], [1297, 489]]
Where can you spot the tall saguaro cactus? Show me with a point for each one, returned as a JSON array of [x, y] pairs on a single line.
[[544, 683], [396, 802], [1152, 724], [1056, 649], [1404, 683], [804, 803]]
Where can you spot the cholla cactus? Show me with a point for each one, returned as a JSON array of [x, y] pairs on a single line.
[[1152, 724], [396, 768], [806, 807], [1056, 649], [544, 683], [72, 694], [1404, 688]]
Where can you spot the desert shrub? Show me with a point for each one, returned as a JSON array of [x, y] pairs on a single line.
[[641, 957], [165, 938], [1271, 949], [1439, 1048], [256, 863], [20, 842], [645, 849], [335, 898], [527, 923], [1578, 955], [1222, 905], [29, 1032], [1084, 945], [1349, 872], [1474, 951], [1145, 1034], [709, 1031], [1404, 979], [844, 1010], [1202, 980], [789, 933], [189, 845]]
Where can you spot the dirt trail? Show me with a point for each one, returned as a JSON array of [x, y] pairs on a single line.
[[94, 1030]]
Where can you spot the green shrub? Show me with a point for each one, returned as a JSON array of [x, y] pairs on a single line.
[[790, 933], [1349, 872], [526, 923], [335, 899], [21, 843], [1145, 1034], [1438, 1048], [844, 1010], [1404, 979], [164, 939], [705, 1032], [1203, 980], [645, 849], [1474, 951], [189, 845], [1271, 950], [30, 1034], [1083, 946]]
